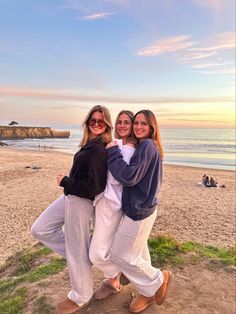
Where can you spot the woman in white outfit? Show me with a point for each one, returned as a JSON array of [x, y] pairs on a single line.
[[141, 180], [108, 212], [74, 209]]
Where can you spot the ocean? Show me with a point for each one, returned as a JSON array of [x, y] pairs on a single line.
[[206, 148]]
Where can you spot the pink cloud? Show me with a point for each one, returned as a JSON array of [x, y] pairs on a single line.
[[209, 65], [196, 56], [213, 4], [96, 16], [167, 45], [12, 91]]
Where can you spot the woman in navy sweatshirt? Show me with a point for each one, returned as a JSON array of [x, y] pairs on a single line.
[[141, 181], [74, 209]]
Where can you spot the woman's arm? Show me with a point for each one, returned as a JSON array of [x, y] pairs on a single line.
[[129, 175], [94, 182]]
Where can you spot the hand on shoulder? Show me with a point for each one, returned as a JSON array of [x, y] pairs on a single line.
[[111, 144], [130, 144]]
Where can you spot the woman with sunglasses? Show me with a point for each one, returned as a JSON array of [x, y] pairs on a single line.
[[74, 209], [108, 212], [141, 180]]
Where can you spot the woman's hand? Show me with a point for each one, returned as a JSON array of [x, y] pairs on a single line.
[[112, 143], [59, 178]]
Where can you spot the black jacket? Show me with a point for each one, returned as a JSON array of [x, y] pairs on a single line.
[[88, 174]]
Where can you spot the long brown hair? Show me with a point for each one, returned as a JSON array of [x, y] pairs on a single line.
[[106, 136], [131, 138], [154, 129]]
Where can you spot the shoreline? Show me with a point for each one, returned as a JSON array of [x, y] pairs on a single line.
[[52, 151], [187, 212]]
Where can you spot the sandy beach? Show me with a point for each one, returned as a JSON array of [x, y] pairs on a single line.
[[187, 211]]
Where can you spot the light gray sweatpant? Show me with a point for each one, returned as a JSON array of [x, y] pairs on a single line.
[[127, 253], [107, 221], [75, 214]]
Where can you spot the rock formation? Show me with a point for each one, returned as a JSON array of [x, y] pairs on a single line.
[[21, 132]]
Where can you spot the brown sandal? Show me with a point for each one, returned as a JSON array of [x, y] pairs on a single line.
[[105, 290], [161, 293]]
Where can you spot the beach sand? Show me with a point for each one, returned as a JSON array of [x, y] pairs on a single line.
[[186, 211]]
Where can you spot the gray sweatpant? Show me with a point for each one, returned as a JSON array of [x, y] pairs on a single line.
[[75, 214]]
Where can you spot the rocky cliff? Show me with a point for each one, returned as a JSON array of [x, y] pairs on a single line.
[[21, 132]]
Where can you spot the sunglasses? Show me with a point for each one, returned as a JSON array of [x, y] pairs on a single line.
[[100, 123]]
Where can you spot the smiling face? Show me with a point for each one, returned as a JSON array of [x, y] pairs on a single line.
[[141, 127], [123, 126], [96, 125]]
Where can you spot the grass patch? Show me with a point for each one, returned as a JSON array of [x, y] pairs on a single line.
[[43, 306], [55, 266], [13, 303], [37, 263], [165, 250], [23, 261], [41, 272], [225, 256], [31, 265]]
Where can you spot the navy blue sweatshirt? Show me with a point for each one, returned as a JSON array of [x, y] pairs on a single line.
[[88, 174], [141, 179]]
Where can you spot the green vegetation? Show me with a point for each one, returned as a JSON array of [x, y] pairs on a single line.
[[43, 306], [165, 250], [23, 261], [53, 267], [37, 263], [28, 266], [225, 256], [14, 303]]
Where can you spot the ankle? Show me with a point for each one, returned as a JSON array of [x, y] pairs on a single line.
[[114, 282]]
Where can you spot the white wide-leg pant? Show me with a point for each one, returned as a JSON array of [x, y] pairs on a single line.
[[107, 221], [127, 253], [75, 214], [106, 224]]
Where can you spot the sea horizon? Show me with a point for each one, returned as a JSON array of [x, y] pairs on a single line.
[[195, 147]]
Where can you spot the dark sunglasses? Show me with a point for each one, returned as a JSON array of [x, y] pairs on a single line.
[[100, 123]]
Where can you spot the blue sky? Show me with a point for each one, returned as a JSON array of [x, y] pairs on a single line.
[[58, 58]]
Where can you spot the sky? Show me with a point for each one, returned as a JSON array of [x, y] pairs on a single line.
[[59, 58]]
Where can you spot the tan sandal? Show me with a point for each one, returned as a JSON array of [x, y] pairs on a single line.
[[161, 293], [105, 290]]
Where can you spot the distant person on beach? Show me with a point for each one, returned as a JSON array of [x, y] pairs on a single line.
[[205, 181], [210, 183], [74, 209], [213, 183], [141, 180], [108, 212]]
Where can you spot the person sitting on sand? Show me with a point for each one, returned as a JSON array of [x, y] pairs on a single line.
[[203, 179], [206, 182], [213, 183], [210, 183]]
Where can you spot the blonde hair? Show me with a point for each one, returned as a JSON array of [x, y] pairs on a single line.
[[154, 129], [131, 138], [106, 136]]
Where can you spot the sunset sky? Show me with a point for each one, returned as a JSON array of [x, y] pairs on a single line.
[[58, 58]]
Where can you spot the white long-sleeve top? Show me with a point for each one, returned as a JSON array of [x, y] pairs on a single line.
[[113, 190]]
